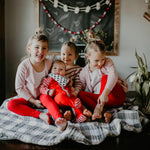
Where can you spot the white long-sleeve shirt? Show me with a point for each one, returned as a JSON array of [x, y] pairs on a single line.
[[28, 80], [107, 69]]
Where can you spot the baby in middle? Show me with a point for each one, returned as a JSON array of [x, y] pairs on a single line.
[[56, 85]]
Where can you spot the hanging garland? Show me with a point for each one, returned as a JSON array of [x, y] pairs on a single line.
[[73, 32], [76, 10]]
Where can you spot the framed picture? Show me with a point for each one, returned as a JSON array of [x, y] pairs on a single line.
[[62, 21]]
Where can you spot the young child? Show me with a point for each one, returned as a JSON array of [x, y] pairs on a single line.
[[69, 54], [99, 80], [56, 85], [29, 74]]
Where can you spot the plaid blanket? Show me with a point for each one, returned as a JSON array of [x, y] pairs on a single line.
[[36, 131]]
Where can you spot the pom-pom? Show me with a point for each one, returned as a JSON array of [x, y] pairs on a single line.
[[88, 8], [65, 7], [76, 10], [107, 2], [98, 6], [55, 3]]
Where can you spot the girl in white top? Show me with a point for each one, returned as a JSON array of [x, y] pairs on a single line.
[[100, 82], [29, 74]]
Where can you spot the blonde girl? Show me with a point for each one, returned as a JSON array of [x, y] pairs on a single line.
[[29, 74], [100, 80]]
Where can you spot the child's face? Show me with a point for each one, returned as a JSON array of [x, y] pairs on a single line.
[[96, 60], [59, 69], [38, 50], [68, 55]]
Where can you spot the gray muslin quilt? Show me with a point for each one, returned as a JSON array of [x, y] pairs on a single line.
[[36, 131]]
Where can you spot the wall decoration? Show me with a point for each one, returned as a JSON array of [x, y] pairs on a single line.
[[63, 20]]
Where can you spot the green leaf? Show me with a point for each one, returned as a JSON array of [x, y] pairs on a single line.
[[145, 60], [134, 67], [146, 88], [138, 88], [145, 71], [130, 75], [139, 59], [147, 107]]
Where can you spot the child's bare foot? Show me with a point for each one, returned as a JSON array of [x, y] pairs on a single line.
[[96, 116], [61, 123], [107, 116], [67, 115], [97, 112], [44, 117], [87, 113]]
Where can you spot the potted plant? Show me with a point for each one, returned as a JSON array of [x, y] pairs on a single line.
[[141, 80]]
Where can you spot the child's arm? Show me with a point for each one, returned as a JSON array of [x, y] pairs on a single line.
[[103, 98], [112, 78], [21, 88], [82, 80], [77, 85], [73, 73], [20, 82], [44, 87], [123, 83]]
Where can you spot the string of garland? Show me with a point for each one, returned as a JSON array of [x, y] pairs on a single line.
[[76, 10], [74, 32]]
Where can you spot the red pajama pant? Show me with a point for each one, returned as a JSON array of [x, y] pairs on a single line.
[[22, 107], [62, 100], [115, 98]]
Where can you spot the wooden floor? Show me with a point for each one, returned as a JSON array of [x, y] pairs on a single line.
[[125, 141]]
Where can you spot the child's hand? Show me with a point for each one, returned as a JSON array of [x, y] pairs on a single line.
[[73, 92], [70, 82], [36, 102], [51, 92], [102, 99], [124, 84]]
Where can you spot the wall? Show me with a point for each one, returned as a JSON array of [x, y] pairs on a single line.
[[19, 25], [134, 34]]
